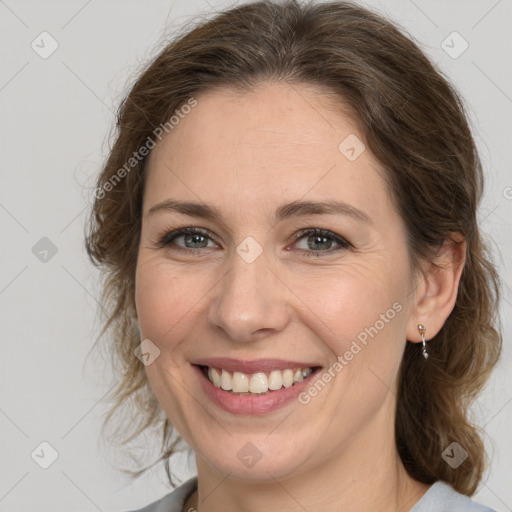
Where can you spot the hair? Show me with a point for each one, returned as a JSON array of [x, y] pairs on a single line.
[[413, 122]]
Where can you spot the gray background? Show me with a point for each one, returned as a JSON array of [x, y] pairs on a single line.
[[56, 114]]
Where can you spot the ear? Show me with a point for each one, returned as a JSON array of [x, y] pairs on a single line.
[[436, 289]]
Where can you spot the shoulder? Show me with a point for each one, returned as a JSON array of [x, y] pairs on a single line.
[[174, 501], [441, 497]]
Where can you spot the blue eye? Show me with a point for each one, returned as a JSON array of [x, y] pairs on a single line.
[[193, 238], [319, 242]]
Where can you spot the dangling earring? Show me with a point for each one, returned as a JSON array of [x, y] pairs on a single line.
[[422, 330]]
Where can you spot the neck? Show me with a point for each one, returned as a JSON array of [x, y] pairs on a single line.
[[374, 487], [365, 475]]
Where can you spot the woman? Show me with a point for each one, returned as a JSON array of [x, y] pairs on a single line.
[[295, 274]]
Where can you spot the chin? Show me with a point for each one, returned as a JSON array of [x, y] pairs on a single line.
[[254, 459]]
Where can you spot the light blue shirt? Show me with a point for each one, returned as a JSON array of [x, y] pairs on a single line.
[[439, 498]]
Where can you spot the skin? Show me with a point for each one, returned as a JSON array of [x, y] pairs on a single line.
[[247, 153]]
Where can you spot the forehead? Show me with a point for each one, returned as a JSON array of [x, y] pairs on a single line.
[[249, 150]]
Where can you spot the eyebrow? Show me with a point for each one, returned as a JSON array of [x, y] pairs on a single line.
[[283, 212]]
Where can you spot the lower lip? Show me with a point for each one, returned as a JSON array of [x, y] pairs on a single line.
[[252, 405]]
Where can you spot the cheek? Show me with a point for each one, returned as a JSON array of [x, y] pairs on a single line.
[[359, 312], [349, 299], [164, 297]]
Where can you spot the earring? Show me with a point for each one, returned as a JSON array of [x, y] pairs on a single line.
[[422, 330]]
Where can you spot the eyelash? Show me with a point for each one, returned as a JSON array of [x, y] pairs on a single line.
[[168, 237]]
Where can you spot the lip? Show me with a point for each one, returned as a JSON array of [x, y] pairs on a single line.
[[253, 366], [255, 405]]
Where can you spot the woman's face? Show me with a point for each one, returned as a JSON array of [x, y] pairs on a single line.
[[254, 293]]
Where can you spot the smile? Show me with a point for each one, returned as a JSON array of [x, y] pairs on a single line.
[[255, 383], [254, 387]]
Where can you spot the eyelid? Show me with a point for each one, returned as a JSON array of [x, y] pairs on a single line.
[[342, 243], [168, 235]]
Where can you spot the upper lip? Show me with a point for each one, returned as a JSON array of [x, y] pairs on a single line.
[[253, 366]]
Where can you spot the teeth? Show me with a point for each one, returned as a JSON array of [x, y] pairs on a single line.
[[275, 380], [287, 378], [259, 382], [225, 381], [214, 376], [240, 382]]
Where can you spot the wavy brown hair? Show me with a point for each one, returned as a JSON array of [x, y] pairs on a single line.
[[412, 121]]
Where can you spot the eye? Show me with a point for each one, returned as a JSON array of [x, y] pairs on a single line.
[[318, 242], [192, 239]]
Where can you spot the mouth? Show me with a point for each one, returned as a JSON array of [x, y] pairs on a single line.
[[254, 387], [257, 383]]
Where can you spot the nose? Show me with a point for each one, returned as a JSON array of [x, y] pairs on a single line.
[[250, 302]]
